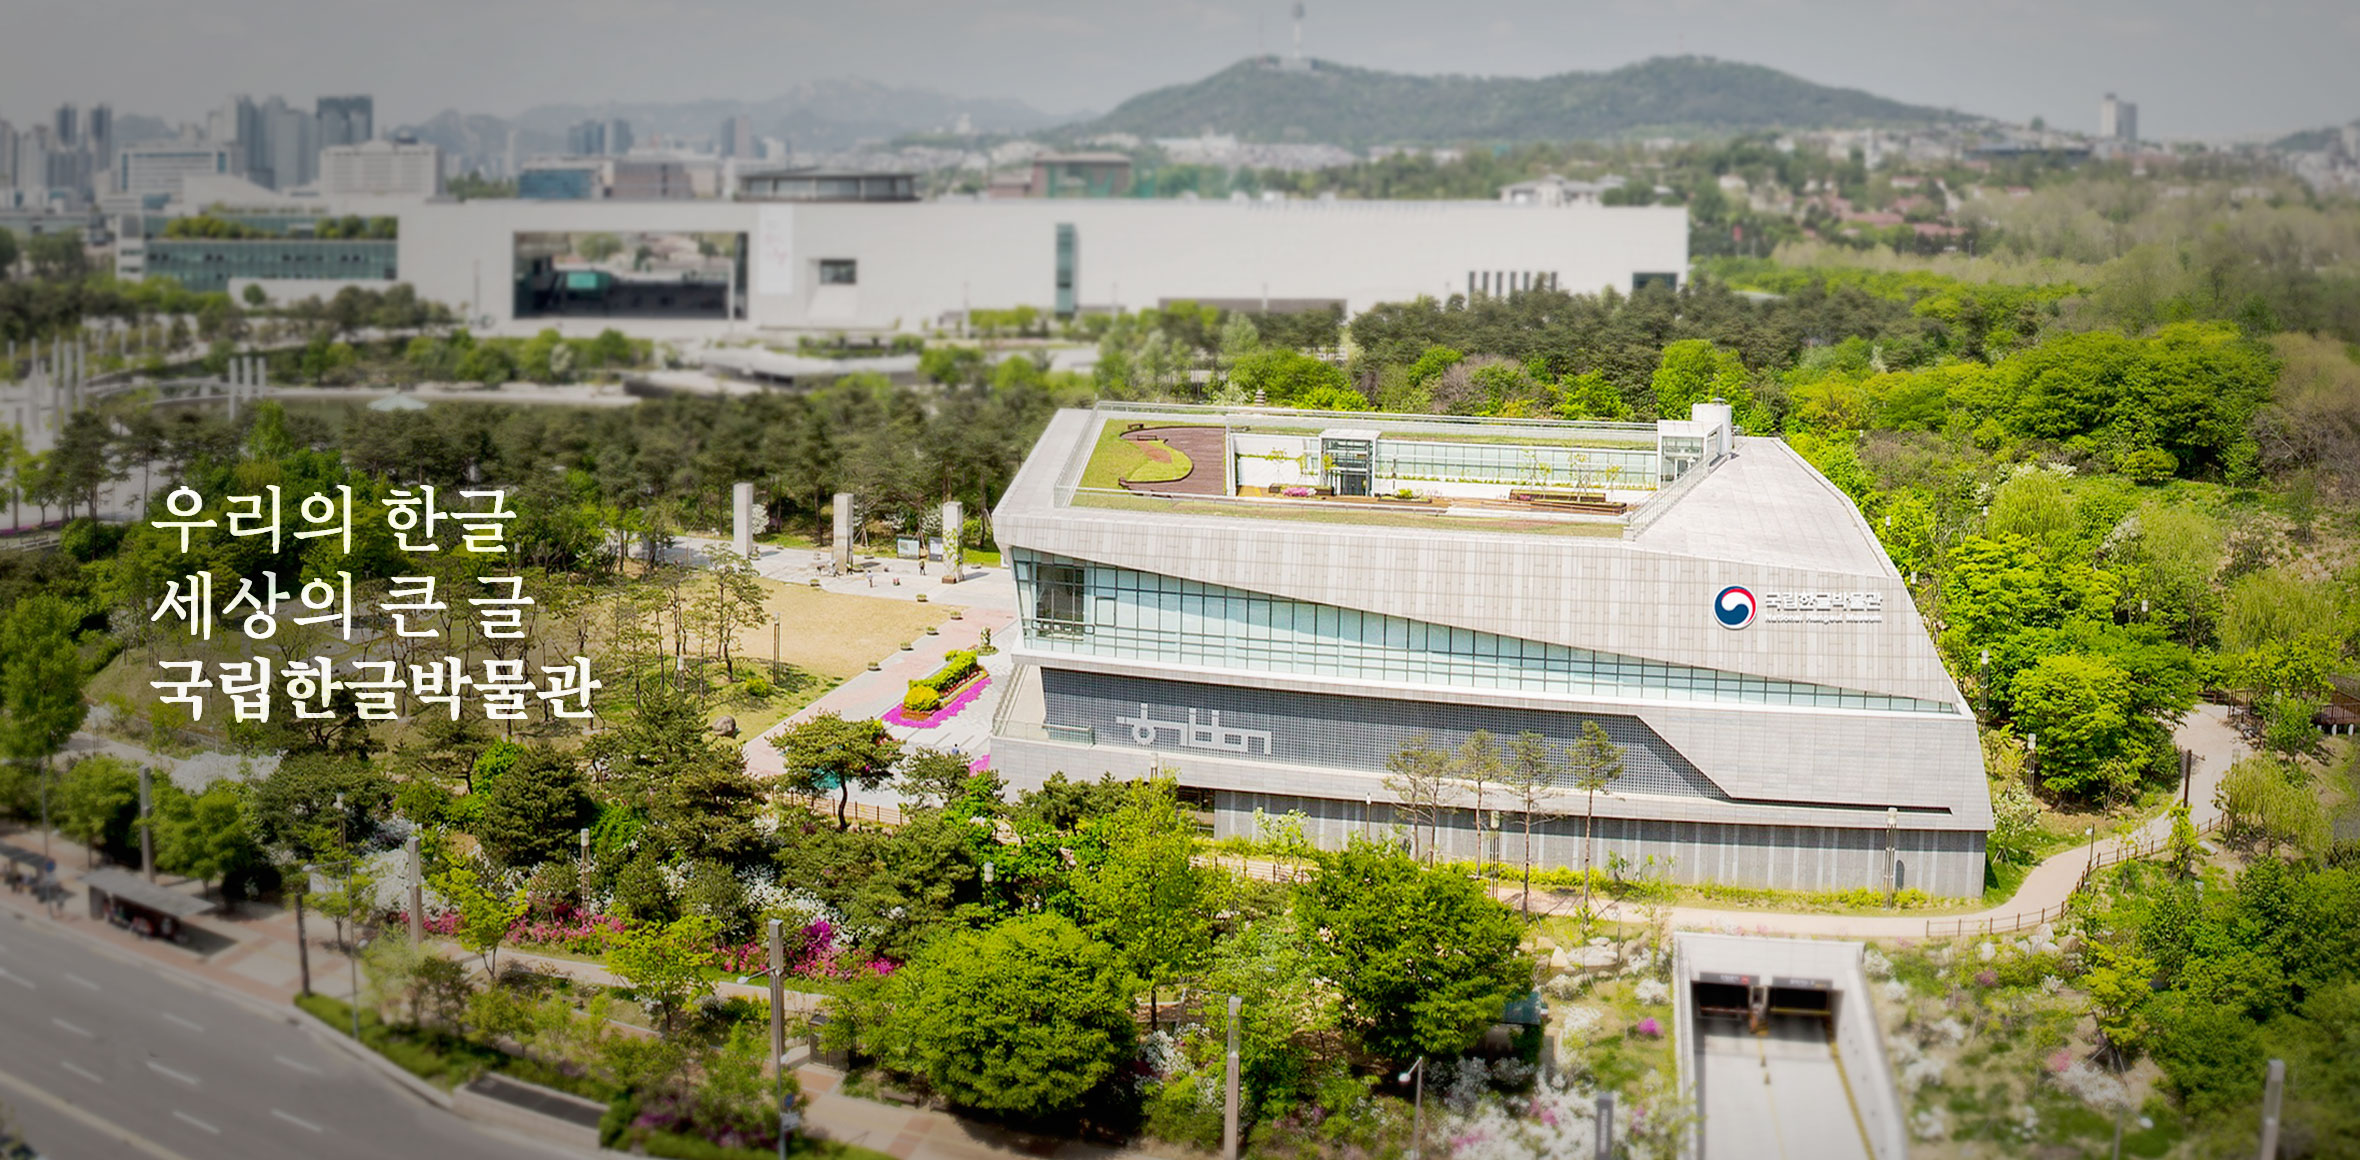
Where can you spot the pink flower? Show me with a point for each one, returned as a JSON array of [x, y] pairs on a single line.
[[1650, 1028]]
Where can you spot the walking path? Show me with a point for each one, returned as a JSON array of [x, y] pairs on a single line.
[[2205, 731]]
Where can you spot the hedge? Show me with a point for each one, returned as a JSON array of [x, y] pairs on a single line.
[[926, 692]]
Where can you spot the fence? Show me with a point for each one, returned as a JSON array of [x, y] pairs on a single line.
[[884, 817], [2113, 855]]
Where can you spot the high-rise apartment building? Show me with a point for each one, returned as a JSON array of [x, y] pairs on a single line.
[[348, 120], [2118, 120], [611, 138], [736, 138], [67, 125]]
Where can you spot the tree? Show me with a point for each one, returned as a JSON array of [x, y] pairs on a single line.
[[41, 676], [2119, 986], [348, 892], [1286, 377], [204, 836], [1423, 960], [1023, 1019], [1694, 371], [58, 257], [936, 776], [831, 753], [531, 813], [665, 963], [1595, 761], [1531, 771], [486, 914], [1418, 770], [1479, 765], [596, 248], [2080, 708], [8, 253], [98, 804], [1142, 891], [733, 602]]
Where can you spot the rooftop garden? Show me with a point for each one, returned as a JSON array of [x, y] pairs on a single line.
[[1116, 461]]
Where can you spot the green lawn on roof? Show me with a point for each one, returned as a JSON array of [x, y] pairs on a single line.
[[1116, 461]]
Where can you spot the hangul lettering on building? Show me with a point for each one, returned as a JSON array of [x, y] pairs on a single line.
[[309, 685], [501, 617], [440, 683], [376, 688], [192, 605], [247, 685], [333, 511], [407, 594], [263, 622], [332, 600], [184, 692], [569, 683], [182, 512], [484, 527], [502, 689], [247, 511], [409, 511]]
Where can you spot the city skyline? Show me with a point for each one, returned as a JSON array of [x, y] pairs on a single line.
[[2198, 72]]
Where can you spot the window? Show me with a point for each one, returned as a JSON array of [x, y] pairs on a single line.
[[838, 272], [1057, 603]]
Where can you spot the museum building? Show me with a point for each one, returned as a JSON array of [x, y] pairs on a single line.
[[1270, 604]]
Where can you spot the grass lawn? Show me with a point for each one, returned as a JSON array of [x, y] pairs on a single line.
[[837, 635], [1362, 515], [1116, 460]]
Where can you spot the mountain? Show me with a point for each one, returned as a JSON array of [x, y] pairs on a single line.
[[477, 137], [1259, 100], [814, 115]]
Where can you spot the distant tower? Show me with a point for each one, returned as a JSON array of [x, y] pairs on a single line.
[[1298, 35], [2109, 114]]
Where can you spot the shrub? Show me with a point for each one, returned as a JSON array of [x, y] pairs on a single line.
[[921, 699]]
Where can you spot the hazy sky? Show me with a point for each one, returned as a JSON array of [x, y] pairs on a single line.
[[2207, 68]]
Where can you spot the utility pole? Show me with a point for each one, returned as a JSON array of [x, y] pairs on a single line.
[[417, 894], [302, 944], [582, 873], [2271, 1094], [778, 1034], [1892, 856], [147, 823], [1229, 1114]]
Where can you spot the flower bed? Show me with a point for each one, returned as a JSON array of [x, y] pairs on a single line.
[[961, 697], [813, 950]]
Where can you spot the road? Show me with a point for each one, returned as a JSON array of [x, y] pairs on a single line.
[[1779, 1096], [106, 1059]]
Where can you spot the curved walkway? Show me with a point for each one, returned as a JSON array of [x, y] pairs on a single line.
[[2204, 731], [1204, 447]]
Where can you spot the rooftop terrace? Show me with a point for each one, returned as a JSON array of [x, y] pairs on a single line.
[[1474, 474]]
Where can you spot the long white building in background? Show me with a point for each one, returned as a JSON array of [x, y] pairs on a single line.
[[909, 265]]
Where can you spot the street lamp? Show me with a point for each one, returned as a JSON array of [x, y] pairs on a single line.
[[1417, 1122], [2091, 833], [1892, 857]]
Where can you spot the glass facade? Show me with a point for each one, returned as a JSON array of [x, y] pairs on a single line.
[[207, 264], [1075, 606], [1523, 465]]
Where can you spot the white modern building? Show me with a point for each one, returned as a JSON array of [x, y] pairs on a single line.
[[908, 265], [381, 169], [1318, 592], [161, 167]]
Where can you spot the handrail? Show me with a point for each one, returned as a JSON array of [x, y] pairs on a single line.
[[2114, 855]]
